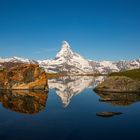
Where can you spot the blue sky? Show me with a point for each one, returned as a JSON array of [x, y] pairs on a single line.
[[97, 29]]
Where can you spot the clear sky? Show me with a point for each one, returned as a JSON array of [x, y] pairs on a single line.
[[97, 29]]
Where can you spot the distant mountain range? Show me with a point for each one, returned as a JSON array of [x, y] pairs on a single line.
[[70, 62]]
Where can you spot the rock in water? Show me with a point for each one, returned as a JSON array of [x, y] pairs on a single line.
[[23, 76], [108, 114]]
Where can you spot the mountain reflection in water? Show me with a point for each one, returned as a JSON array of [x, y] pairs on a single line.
[[32, 102], [24, 101], [69, 86]]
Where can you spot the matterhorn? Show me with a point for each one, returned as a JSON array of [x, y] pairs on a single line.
[[67, 61]]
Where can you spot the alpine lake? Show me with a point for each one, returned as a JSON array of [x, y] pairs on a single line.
[[68, 111]]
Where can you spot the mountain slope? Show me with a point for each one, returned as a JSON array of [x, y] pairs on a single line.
[[106, 67]]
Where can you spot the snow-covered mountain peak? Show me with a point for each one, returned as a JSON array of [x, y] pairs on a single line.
[[65, 45], [65, 50]]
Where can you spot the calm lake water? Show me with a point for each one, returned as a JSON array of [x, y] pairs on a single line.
[[68, 112]]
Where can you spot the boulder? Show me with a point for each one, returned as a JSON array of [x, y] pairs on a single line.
[[119, 84], [23, 76]]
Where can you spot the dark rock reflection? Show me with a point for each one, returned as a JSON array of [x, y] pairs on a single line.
[[24, 101], [119, 99]]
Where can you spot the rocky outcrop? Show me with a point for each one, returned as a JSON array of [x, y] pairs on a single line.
[[24, 101], [119, 84], [23, 76]]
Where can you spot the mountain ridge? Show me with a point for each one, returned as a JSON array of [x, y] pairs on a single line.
[[70, 62]]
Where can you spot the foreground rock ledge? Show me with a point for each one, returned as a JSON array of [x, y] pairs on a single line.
[[23, 76], [119, 84]]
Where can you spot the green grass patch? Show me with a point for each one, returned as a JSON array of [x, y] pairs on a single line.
[[134, 74]]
